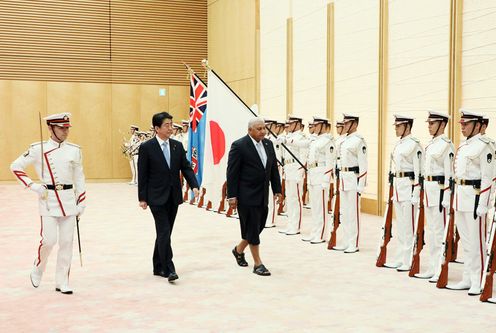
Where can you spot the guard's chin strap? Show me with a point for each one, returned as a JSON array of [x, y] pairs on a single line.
[[404, 130], [472, 133], [349, 129], [438, 127], [55, 135]]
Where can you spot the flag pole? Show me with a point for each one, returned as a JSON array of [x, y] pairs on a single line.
[[208, 68]]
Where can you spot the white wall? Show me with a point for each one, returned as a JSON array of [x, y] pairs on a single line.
[[479, 59], [356, 59], [418, 68], [273, 17]]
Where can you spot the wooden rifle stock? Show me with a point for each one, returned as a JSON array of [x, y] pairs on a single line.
[[336, 212], [487, 281], [386, 228], [223, 199], [201, 198], [331, 196], [283, 193], [455, 245], [304, 195], [418, 244], [449, 242]]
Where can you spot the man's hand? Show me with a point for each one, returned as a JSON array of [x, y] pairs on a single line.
[[279, 198], [233, 202], [80, 210], [143, 204], [196, 192]]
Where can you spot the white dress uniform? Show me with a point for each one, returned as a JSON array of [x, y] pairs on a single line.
[[439, 154], [407, 156], [473, 170], [294, 173], [134, 143], [273, 207], [321, 162], [61, 196], [353, 179]]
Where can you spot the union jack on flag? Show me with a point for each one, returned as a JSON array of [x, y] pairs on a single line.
[[197, 101]]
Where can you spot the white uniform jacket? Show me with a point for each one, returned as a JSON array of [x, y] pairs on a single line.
[[407, 156], [62, 165], [473, 161], [439, 154], [353, 153], [298, 144], [321, 160]]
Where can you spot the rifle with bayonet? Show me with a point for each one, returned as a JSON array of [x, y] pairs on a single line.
[[336, 212], [490, 267], [449, 240], [388, 221], [418, 243]]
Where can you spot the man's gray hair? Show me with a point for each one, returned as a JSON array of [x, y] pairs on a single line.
[[255, 121]]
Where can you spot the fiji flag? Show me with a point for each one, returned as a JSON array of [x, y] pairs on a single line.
[[197, 124]]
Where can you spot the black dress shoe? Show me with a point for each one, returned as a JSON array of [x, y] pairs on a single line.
[[240, 258], [172, 277], [161, 273], [261, 270]]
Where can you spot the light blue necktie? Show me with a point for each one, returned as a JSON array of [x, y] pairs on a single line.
[[166, 152]]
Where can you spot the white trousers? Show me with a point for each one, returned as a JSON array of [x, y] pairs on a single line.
[[318, 203], [473, 237], [133, 163], [50, 227], [293, 205], [350, 218], [273, 207], [405, 220], [435, 223]]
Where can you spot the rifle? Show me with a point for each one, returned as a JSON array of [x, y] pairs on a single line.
[[331, 196], [418, 243], [449, 241], [201, 198], [223, 199], [388, 222], [304, 195], [455, 247], [283, 193], [490, 267], [336, 213], [79, 241]]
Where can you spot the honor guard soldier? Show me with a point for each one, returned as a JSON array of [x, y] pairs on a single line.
[[185, 125], [484, 126], [176, 131], [321, 162], [273, 128], [294, 173], [133, 154], [473, 170], [353, 179], [61, 194], [407, 156], [439, 154]]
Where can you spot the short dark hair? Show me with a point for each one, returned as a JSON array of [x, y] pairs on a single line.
[[158, 118]]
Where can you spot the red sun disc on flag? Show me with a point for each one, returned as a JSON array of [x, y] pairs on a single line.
[[218, 140]]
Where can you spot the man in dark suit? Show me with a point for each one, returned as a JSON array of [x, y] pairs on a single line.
[[159, 186], [252, 164]]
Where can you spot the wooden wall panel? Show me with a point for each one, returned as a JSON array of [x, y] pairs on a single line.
[[179, 102], [24, 102], [232, 43], [126, 41]]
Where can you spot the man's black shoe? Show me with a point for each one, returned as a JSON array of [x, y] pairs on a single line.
[[240, 258], [172, 277]]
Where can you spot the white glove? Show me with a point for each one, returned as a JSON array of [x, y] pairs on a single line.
[[446, 199], [481, 210], [325, 186], [40, 189], [415, 195], [80, 210]]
